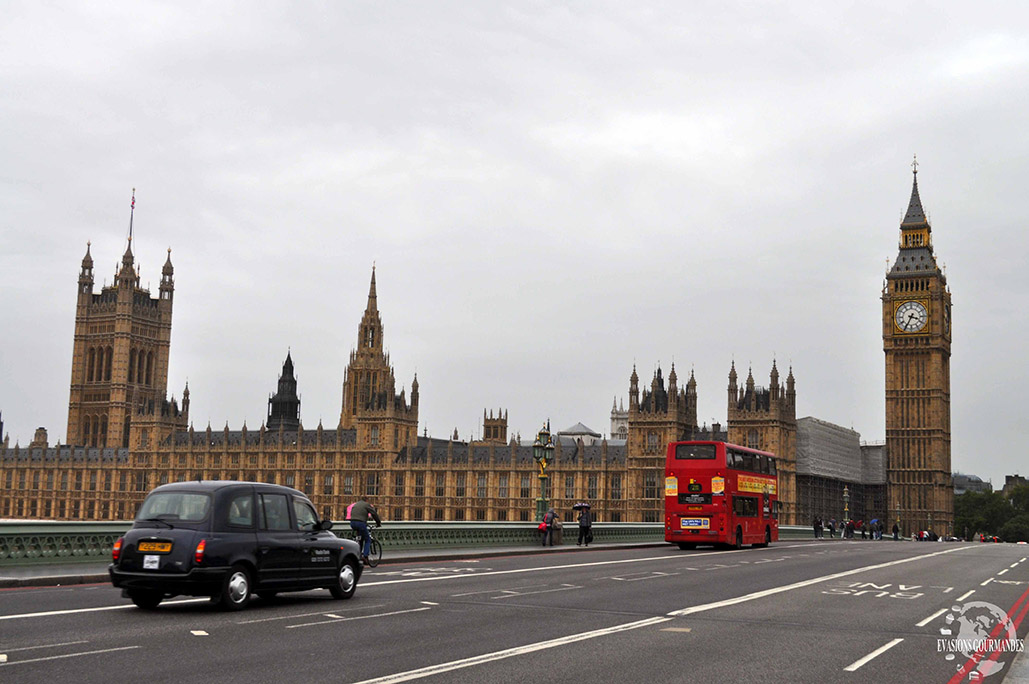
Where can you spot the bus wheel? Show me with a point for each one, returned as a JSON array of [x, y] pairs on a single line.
[[685, 546], [739, 539]]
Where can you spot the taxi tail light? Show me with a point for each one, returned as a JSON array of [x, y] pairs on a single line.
[[116, 549], [198, 555]]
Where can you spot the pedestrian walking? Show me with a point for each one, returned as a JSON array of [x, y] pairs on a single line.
[[548, 531], [832, 528], [585, 526]]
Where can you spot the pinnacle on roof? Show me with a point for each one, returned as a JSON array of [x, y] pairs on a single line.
[[87, 261], [168, 268]]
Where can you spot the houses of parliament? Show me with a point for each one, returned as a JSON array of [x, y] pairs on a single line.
[[125, 435]]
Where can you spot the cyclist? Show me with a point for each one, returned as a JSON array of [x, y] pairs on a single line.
[[358, 513]]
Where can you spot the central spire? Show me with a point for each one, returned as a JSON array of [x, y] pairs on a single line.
[[915, 214], [372, 303]]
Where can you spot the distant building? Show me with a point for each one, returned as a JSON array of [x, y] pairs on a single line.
[[619, 420], [970, 483], [579, 432], [1013, 481], [830, 458]]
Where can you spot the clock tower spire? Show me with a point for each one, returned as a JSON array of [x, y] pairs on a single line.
[[916, 342]]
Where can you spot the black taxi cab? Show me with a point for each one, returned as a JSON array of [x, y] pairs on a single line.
[[229, 541]]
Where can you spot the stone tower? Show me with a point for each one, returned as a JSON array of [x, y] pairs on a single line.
[[766, 419], [661, 415], [284, 405], [383, 419], [120, 354], [916, 341], [619, 420], [494, 430]]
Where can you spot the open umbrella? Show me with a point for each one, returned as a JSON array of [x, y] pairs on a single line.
[[874, 521], [581, 505]]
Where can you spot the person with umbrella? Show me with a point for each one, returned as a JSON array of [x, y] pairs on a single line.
[[585, 523]]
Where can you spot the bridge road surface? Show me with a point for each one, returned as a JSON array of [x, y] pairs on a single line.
[[796, 611]]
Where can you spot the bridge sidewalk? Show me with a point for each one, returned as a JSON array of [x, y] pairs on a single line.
[[91, 573]]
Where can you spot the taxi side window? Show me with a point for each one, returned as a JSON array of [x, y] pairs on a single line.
[[274, 512], [241, 510], [306, 517]]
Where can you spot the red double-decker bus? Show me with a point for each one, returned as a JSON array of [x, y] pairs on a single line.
[[719, 493]]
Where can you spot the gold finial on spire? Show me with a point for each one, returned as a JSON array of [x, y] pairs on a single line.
[[914, 164]]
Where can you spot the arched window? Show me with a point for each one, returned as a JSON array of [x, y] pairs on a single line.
[[149, 367], [140, 367], [102, 441], [99, 365], [132, 365], [107, 365], [752, 440], [90, 365]]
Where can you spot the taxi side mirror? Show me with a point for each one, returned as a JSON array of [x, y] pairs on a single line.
[[324, 525]]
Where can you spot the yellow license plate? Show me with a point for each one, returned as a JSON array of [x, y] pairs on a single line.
[[154, 547]]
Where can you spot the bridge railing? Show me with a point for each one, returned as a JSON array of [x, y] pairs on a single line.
[[48, 543]]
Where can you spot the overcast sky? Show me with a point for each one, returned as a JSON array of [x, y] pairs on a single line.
[[550, 193]]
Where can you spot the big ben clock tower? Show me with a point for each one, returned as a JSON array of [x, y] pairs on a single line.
[[916, 341]]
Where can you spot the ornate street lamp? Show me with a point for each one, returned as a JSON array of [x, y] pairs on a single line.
[[846, 504], [930, 529], [898, 516], [542, 449]]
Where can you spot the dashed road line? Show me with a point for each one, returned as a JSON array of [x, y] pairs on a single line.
[[983, 584], [73, 611], [68, 655], [358, 617], [871, 656], [932, 617], [1002, 571], [33, 648], [966, 595]]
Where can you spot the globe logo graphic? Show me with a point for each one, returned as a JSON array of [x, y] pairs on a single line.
[[970, 629]]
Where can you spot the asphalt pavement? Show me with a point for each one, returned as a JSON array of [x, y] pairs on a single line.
[[797, 611]]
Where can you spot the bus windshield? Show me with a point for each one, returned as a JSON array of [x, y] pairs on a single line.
[[694, 452]]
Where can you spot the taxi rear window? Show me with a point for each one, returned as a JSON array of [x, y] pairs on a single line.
[[182, 506]]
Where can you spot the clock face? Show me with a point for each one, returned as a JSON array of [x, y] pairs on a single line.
[[911, 316], [946, 320]]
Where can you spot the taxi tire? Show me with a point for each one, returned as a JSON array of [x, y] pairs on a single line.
[[236, 589], [146, 600], [346, 581]]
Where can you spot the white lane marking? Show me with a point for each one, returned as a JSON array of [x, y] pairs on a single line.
[[676, 629], [517, 571], [493, 591], [653, 575], [563, 587], [932, 617], [1003, 571], [874, 654], [198, 632], [298, 615], [3, 658], [70, 655], [358, 617], [983, 584], [804, 583], [33, 648], [430, 603], [1014, 564], [94, 610], [511, 652], [520, 650], [334, 616], [966, 595]]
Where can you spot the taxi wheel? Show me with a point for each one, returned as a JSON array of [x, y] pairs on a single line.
[[236, 589], [147, 600], [346, 581]]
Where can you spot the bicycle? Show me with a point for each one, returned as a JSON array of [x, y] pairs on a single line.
[[374, 547]]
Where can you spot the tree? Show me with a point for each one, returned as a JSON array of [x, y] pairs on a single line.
[[1016, 529], [1020, 499], [981, 512]]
